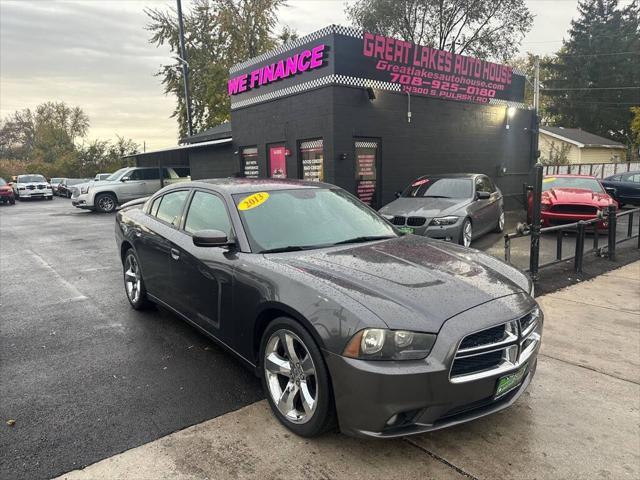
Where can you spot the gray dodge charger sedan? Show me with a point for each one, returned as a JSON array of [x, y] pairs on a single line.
[[454, 207], [348, 322]]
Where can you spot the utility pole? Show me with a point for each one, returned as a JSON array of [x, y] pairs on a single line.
[[534, 253], [185, 68]]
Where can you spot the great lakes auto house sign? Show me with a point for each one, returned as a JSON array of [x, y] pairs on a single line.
[[345, 56]]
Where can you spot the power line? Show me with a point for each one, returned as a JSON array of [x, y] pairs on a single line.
[[631, 52]]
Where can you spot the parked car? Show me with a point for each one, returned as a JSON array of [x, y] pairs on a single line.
[[127, 184], [54, 182], [65, 187], [101, 176], [452, 207], [338, 312], [32, 186], [6, 192], [571, 198], [624, 187]]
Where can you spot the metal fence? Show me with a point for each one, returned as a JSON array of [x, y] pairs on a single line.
[[599, 170], [611, 219]]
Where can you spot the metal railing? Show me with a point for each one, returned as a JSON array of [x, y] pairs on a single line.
[[599, 170], [608, 250]]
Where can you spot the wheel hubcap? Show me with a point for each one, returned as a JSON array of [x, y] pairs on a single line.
[[291, 376], [132, 279], [106, 203], [467, 234]]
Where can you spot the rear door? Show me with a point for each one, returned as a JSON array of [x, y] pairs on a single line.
[[203, 275], [155, 246]]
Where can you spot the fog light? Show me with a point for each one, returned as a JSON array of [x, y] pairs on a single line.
[[392, 420], [448, 239]]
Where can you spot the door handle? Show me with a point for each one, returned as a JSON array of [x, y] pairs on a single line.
[[175, 254]]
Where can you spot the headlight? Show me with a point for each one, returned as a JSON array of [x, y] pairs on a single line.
[[388, 217], [84, 189], [382, 344], [444, 221]]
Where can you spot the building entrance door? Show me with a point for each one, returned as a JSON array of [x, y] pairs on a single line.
[[277, 161]]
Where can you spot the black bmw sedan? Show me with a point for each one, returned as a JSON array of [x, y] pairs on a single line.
[[348, 321]]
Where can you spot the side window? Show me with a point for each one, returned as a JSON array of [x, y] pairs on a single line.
[[490, 184], [134, 174], [150, 174], [154, 207], [482, 185], [171, 206], [207, 212], [634, 178]]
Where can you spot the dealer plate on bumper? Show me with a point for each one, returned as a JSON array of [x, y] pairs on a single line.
[[406, 229], [510, 381]]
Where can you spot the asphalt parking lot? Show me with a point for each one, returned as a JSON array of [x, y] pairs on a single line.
[[83, 375]]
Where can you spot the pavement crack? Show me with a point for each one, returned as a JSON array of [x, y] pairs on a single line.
[[588, 368], [440, 459]]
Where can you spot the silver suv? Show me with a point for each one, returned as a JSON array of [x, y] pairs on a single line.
[[125, 185]]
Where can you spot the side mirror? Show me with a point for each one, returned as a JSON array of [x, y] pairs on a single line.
[[210, 238], [124, 179], [483, 195], [611, 191], [398, 194]]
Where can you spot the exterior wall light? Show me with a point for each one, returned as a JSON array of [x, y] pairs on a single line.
[[511, 111]]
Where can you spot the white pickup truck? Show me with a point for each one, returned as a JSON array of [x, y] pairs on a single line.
[[126, 184]]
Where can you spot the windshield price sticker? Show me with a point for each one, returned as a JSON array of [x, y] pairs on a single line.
[[253, 201]]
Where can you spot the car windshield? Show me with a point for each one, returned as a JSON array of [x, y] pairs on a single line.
[[56, 180], [584, 183], [307, 218], [115, 176], [30, 178], [439, 188], [2, 181]]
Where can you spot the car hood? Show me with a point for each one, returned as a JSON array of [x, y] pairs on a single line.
[[575, 195], [410, 282], [29, 184], [424, 207]]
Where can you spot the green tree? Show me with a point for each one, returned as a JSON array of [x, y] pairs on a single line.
[[596, 75], [218, 34], [488, 29]]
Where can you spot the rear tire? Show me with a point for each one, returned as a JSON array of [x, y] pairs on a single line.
[[12, 201], [133, 281], [297, 384], [106, 202]]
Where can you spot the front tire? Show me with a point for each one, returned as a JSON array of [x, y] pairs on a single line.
[[295, 379], [106, 202], [466, 233], [133, 282], [500, 226]]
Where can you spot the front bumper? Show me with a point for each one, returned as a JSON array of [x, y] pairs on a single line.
[[450, 233], [420, 395], [83, 201], [44, 193], [551, 219]]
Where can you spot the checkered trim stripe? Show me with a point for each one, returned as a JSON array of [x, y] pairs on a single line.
[[366, 144], [518, 71], [340, 30], [316, 83], [506, 103], [311, 144]]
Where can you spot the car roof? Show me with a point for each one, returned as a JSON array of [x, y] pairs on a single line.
[[251, 185], [452, 175]]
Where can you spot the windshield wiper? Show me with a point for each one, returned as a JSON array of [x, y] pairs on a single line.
[[290, 248], [370, 238]]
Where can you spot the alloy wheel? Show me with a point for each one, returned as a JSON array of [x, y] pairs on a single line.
[[106, 204], [132, 279], [467, 233], [291, 376]]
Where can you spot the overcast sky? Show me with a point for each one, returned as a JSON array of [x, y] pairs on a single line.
[[95, 54]]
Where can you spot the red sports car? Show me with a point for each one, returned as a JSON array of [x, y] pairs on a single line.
[[6, 193], [570, 198]]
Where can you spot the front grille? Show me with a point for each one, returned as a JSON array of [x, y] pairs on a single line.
[[30, 187], [485, 337], [398, 220], [575, 209], [497, 349], [416, 221], [41, 187], [477, 363]]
